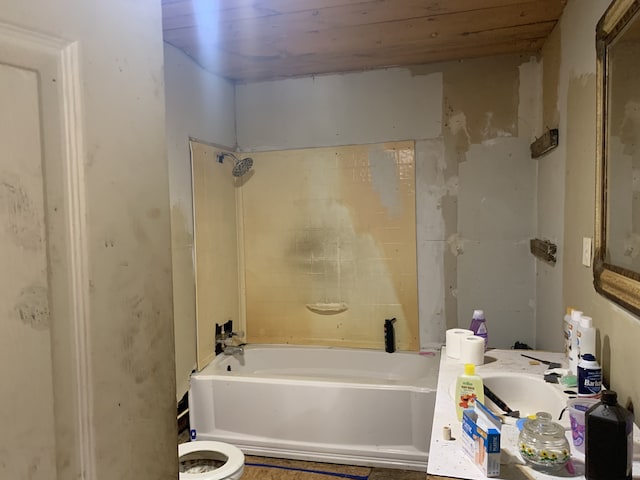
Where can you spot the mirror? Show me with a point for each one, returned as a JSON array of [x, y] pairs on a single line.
[[617, 236]]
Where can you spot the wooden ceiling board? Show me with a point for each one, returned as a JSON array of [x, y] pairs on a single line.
[[249, 40]]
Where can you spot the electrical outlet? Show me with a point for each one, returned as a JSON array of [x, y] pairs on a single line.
[[586, 251]]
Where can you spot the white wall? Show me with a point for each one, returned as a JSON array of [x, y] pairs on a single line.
[[199, 105], [401, 104]]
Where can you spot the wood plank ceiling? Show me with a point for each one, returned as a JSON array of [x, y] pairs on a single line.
[[250, 40]]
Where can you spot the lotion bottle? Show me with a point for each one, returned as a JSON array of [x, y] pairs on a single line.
[[574, 352], [469, 387], [586, 337], [566, 331]]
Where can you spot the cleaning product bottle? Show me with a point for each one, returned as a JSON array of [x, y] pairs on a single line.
[[566, 331], [586, 337], [589, 376], [573, 350], [469, 387], [608, 440], [479, 326]]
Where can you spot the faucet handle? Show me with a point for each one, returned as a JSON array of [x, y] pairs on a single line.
[[230, 335]]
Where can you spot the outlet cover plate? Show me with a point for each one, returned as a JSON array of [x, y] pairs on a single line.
[[586, 251]]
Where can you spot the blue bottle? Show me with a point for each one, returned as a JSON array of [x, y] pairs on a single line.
[[479, 326]]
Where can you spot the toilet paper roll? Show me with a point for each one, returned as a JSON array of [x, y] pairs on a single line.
[[454, 335], [472, 350]]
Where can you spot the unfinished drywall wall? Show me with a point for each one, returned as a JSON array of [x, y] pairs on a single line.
[[330, 246], [618, 331], [481, 105], [199, 105]]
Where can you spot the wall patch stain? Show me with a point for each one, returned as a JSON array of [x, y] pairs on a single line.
[[456, 244], [23, 222], [32, 307]]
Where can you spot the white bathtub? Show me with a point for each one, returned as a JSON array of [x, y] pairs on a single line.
[[350, 406]]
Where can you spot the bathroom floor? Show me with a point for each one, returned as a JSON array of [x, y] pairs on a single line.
[[266, 468], [263, 468]]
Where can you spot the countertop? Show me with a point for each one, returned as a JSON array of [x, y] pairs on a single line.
[[446, 458]]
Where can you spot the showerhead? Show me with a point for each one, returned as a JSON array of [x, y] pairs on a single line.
[[241, 167]]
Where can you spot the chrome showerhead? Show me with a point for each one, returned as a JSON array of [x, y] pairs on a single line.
[[241, 167]]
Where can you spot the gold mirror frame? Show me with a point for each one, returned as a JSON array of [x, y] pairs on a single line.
[[617, 283]]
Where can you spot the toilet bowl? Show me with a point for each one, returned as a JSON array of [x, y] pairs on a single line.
[[206, 460]]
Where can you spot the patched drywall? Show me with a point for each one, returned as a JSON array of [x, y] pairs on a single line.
[[551, 55], [328, 110], [436, 192], [481, 100], [485, 109], [496, 219]]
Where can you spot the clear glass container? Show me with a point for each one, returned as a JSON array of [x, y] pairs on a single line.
[[543, 444]]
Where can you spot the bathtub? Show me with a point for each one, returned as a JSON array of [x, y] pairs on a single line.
[[326, 404]]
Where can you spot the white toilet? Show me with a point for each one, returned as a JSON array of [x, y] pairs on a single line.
[[206, 460]]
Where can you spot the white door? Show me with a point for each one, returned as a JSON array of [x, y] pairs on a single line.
[[28, 446], [43, 412]]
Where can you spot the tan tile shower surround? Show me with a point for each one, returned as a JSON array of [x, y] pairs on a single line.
[[331, 226]]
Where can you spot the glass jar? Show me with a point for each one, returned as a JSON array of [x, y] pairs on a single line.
[[543, 444]]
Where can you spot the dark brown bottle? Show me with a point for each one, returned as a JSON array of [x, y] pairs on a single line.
[[609, 440]]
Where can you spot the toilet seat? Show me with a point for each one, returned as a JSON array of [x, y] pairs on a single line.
[[233, 465]]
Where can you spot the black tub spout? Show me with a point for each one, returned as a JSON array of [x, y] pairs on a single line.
[[389, 335]]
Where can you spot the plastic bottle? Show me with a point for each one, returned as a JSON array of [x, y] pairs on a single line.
[[609, 440], [566, 331], [576, 315], [589, 376], [586, 337], [479, 326], [469, 386]]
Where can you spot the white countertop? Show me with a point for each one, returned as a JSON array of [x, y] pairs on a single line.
[[446, 457]]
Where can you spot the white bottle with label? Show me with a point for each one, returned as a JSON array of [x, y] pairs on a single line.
[[566, 331], [586, 337], [574, 353]]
